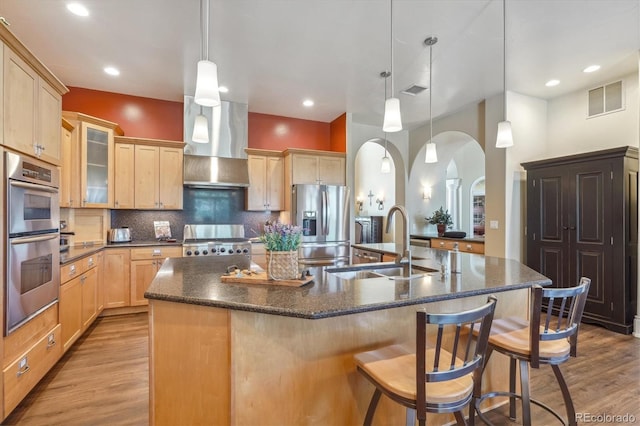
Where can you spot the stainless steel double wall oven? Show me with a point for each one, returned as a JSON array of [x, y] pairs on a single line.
[[32, 239]]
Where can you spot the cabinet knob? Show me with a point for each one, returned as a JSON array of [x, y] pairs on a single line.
[[51, 341], [23, 367], [469, 247]]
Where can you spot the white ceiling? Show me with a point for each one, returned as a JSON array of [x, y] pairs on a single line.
[[274, 53]]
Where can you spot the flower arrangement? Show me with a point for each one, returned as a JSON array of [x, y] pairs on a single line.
[[281, 237], [440, 217]]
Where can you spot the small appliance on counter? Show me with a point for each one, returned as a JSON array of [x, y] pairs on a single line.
[[119, 235]]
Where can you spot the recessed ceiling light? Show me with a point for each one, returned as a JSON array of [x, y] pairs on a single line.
[[591, 68], [77, 9], [307, 103], [552, 83], [112, 71], [223, 89]]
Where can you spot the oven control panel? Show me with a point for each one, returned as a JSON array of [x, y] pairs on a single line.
[[209, 249]]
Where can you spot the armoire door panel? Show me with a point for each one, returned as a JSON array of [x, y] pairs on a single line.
[[551, 209], [590, 207], [592, 265], [552, 261]]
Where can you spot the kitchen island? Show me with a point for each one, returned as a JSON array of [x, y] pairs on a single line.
[[271, 355]]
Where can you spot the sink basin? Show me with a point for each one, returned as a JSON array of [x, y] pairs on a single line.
[[390, 271], [361, 274]]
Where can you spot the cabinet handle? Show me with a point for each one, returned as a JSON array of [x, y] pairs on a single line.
[[116, 204], [51, 342], [157, 252], [469, 247], [161, 205], [72, 270], [441, 244], [24, 367], [82, 279]]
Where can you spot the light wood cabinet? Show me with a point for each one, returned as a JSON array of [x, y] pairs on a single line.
[[152, 173], [69, 184], [94, 141], [31, 366], [32, 106], [78, 297], [124, 190], [463, 246], [116, 264], [316, 167], [305, 166], [266, 181], [145, 262]]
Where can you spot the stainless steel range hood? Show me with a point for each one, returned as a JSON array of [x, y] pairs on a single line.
[[221, 163]]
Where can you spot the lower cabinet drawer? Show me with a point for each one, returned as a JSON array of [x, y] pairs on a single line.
[[26, 371], [463, 246], [155, 252]]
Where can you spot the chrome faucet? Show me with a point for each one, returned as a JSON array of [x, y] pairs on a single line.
[[406, 254]]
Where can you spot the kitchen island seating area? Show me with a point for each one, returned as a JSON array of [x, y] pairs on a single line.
[[441, 378], [549, 337]]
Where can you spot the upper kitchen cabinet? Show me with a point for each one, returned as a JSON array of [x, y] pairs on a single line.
[[31, 102], [93, 137], [124, 180], [266, 180], [582, 221], [154, 172], [314, 167], [304, 166]]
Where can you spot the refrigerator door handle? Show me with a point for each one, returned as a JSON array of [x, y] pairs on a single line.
[[325, 212]]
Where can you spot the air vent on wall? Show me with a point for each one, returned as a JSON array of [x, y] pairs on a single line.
[[414, 90], [606, 99]]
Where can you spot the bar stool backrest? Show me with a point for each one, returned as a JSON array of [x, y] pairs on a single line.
[[460, 355], [560, 319]]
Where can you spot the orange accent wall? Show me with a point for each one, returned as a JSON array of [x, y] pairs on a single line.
[[279, 133], [338, 132], [137, 116]]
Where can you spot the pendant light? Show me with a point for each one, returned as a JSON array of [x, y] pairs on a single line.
[[431, 154], [505, 136], [200, 129], [207, 93], [392, 120], [386, 161]]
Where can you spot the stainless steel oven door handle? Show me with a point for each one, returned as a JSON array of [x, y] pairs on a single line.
[[34, 187], [27, 240]]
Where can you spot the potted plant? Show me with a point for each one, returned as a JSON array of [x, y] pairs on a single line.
[[442, 219], [281, 242]]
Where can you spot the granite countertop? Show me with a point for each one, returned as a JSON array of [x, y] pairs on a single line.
[[197, 281], [432, 236], [74, 253], [393, 248]]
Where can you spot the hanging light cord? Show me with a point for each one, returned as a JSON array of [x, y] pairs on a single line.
[[385, 133], [390, 42], [204, 29], [430, 94], [504, 57]]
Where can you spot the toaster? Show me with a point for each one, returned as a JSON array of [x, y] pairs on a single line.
[[119, 235]]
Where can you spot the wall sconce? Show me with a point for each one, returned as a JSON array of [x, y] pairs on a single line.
[[380, 203], [426, 193]]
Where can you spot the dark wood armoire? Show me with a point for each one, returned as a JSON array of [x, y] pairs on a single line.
[[582, 220]]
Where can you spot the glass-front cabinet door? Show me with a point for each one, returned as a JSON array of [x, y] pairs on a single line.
[[97, 166]]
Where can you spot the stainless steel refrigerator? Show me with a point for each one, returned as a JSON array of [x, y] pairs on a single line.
[[323, 213]]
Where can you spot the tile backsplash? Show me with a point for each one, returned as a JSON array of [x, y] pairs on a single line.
[[215, 206]]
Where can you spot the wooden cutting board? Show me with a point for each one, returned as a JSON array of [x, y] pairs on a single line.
[[263, 278]]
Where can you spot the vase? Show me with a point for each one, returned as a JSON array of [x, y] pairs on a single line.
[[282, 265], [441, 228]]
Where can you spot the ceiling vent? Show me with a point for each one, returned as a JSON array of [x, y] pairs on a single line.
[[606, 99], [414, 90]]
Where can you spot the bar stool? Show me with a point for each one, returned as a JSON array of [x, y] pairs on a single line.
[[550, 337], [432, 379]]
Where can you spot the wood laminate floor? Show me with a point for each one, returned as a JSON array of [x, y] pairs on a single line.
[[103, 379]]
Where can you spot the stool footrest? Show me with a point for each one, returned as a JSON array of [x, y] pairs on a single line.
[[482, 416]]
